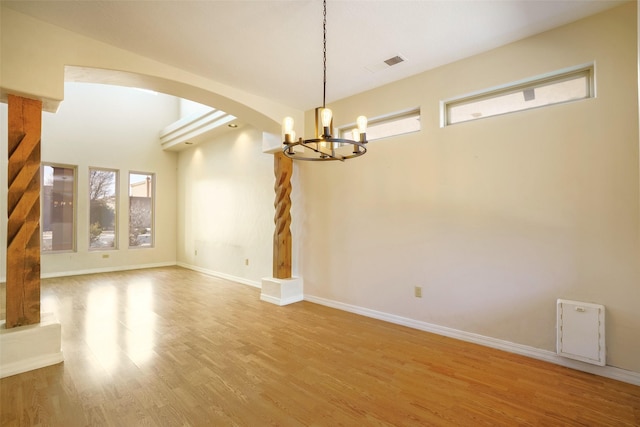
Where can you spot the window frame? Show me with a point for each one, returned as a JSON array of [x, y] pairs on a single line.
[[558, 76], [116, 196], [74, 224], [345, 131], [153, 176]]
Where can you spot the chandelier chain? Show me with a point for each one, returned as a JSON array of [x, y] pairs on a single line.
[[324, 53], [324, 146]]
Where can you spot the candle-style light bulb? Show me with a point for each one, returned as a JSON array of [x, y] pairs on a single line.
[[326, 116], [362, 128], [287, 129], [287, 125], [362, 124]]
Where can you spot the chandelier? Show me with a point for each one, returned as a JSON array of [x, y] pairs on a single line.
[[324, 146]]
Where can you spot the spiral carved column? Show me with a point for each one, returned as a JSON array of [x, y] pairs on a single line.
[[23, 226], [283, 168]]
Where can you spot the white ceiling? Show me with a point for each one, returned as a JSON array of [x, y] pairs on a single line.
[[273, 48]]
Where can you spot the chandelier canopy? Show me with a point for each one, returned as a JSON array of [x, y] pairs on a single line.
[[324, 146]]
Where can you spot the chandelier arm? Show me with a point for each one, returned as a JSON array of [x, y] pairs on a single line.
[[322, 153], [341, 158], [307, 144]]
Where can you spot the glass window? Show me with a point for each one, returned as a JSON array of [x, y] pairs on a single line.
[[392, 125], [103, 208], [141, 190], [558, 88], [58, 208]]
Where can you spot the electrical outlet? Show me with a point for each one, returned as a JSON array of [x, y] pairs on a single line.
[[246, 261], [418, 291]]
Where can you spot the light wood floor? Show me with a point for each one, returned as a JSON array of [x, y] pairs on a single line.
[[172, 347]]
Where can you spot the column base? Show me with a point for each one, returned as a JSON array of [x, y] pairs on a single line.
[[30, 347], [282, 291]]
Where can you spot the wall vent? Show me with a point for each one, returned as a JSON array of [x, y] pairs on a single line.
[[580, 331]]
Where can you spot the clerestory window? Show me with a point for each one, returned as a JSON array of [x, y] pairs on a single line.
[[555, 88]]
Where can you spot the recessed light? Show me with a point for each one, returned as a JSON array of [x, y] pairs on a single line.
[[232, 125]]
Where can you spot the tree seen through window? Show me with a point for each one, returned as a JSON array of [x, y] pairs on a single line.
[[103, 204]]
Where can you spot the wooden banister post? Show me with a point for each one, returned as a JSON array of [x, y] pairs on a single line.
[[23, 207], [283, 168]]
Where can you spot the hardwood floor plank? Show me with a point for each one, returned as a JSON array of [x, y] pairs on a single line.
[[173, 347]]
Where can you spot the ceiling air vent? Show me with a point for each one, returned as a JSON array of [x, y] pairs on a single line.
[[393, 61], [384, 65]]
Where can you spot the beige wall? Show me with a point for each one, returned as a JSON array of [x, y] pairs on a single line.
[[114, 128], [225, 206], [499, 217]]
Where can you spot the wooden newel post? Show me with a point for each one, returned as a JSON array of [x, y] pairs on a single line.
[[283, 168], [23, 202]]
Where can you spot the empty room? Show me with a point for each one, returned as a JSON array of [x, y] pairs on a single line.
[[319, 212]]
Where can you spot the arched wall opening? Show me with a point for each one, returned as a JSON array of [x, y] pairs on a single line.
[[37, 58], [179, 89]]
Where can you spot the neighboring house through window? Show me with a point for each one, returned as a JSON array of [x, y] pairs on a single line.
[[141, 190]]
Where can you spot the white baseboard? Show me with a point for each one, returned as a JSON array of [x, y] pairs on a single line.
[[26, 365], [106, 269], [282, 291], [270, 299], [278, 301], [226, 276], [612, 372], [25, 348]]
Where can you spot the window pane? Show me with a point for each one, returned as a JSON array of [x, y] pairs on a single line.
[[537, 93], [141, 189], [103, 205], [390, 126], [58, 208]]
